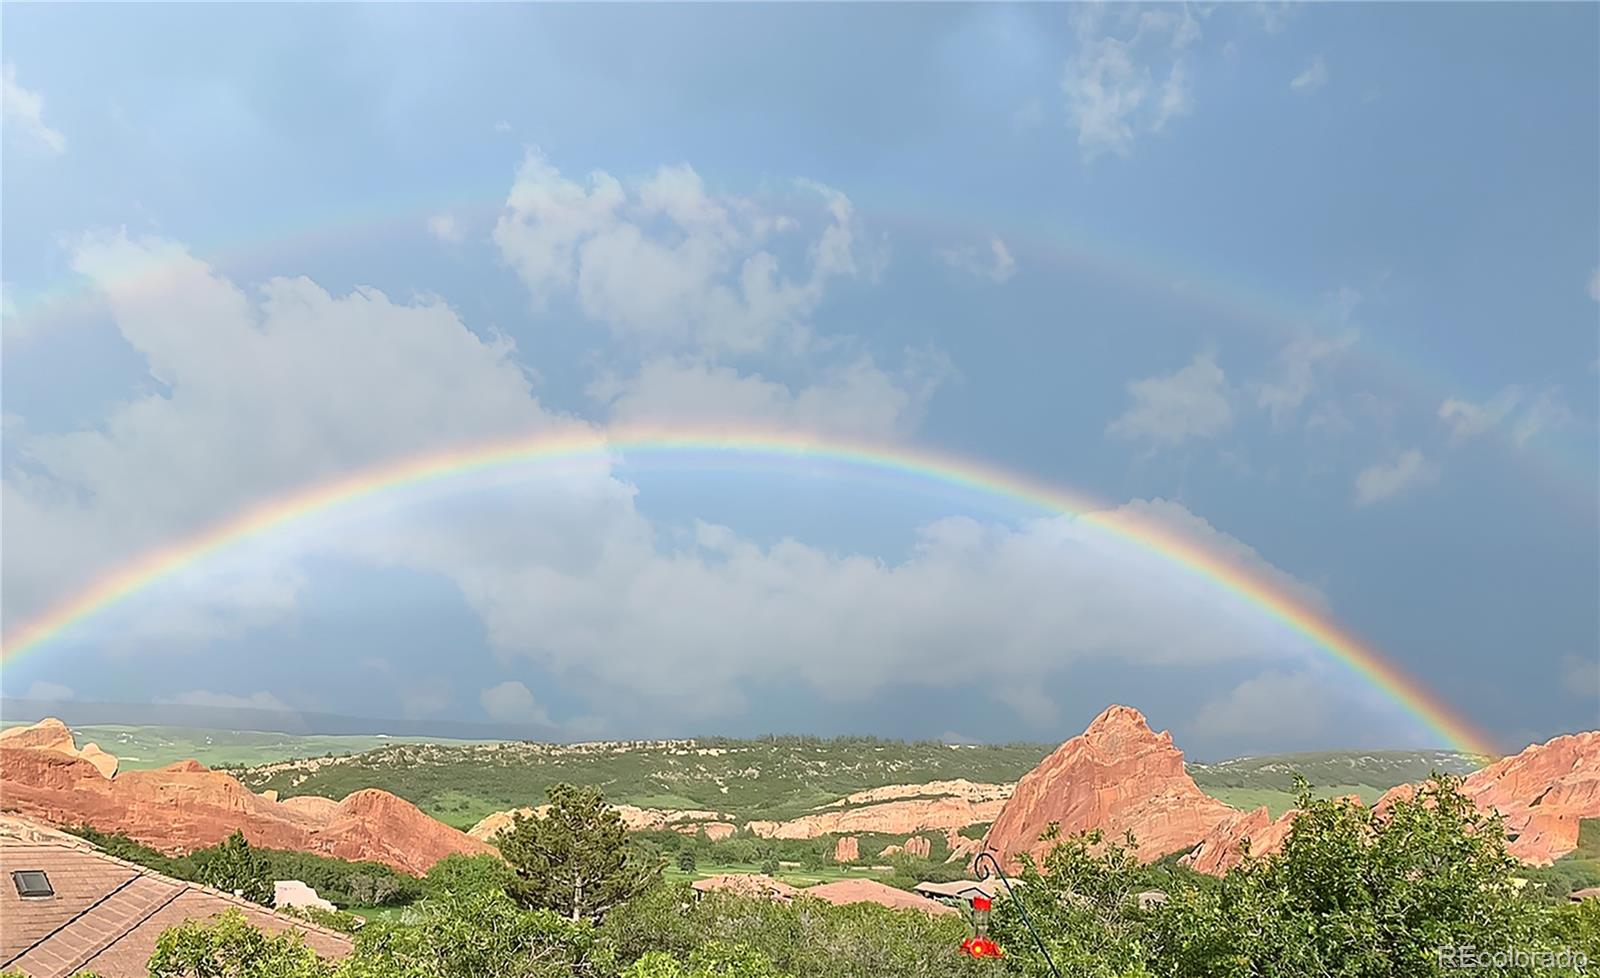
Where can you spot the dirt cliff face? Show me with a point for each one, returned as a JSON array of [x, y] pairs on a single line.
[[1118, 776], [185, 806]]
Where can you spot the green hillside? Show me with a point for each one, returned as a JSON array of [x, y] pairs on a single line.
[[777, 777], [1249, 782]]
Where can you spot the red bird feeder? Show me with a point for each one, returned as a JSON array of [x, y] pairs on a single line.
[[980, 945]]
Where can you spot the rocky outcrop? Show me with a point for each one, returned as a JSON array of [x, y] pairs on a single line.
[[1542, 794], [52, 734], [887, 818], [1224, 846], [717, 831], [47, 734], [635, 819], [186, 806], [1117, 776], [847, 849], [955, 788]]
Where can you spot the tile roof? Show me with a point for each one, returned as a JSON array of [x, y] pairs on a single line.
[[747, 884], [842, 892], [107, 913]]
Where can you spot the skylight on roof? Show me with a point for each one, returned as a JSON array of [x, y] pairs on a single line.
[[32, 883]]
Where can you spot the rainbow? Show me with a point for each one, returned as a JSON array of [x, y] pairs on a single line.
[[549, 447]]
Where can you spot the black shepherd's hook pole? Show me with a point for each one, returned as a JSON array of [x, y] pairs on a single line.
[[983, 874]]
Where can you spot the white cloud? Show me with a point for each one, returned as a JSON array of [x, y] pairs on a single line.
[[1297, 364], [446, 228], [993, 262], [682, 626], [511, 702], [1194, 402], [502, 125], [49, 692], [670, 266], [1382, 480], [1264, 706], [24, 110], [565, 571], [1312, 78], [371, 379], [854, 396], [1523, 414], [204, 697], [1128, 77]]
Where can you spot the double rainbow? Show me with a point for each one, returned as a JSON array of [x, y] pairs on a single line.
[[1266, 597]]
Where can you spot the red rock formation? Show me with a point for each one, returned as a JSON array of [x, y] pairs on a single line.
[[889, 818], [919, 846], [1117, 776], [52, 734], [47, 734], [1542, 793], [1222, 848], [847, 849], [185, 806]]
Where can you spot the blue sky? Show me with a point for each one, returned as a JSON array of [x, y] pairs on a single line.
[[1317, 287]]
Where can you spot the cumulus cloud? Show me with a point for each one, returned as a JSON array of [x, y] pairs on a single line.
[[23, 110], [565, 570], [446, 228], [1194, 402], [258, 394], [261, 700], [669, 265], [683, 627], [512, 702], [1384, 480], [1521, 413], [1129, 74], [49, 692], [689, 284], [993, 262], [1312, 78], [1265, 706]]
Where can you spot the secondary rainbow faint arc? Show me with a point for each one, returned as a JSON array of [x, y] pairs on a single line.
[[151, 567]]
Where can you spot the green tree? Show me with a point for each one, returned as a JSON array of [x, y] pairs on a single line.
[[234, 867], [1362, 894], [715, 960], [463, 874], [576, 859], [228, 947], [686, 860], [482, 934]]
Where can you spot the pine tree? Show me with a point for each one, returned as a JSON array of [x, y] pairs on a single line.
[[576, 859]]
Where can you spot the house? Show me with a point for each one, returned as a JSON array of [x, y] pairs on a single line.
[[1588, 893], [960, 891], [293, 893], [746, 884], [842, 892], [68, 907]]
